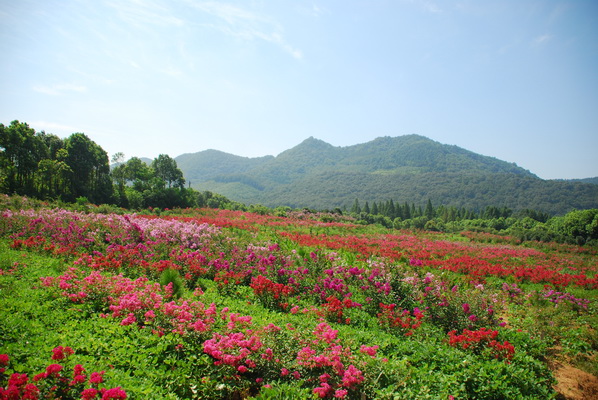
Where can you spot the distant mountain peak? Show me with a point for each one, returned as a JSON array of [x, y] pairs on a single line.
[[410, 168], [315, 142]]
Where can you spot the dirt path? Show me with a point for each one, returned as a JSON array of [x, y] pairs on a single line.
[[573, 383]]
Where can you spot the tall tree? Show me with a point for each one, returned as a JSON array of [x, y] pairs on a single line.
[[21, 150], [356, 207], [138, 174], [166, 169], [429, 211], [89, 162]]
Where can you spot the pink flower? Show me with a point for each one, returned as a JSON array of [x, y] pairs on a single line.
[[322, 391], [78, 369], [53, 369], [371, 351], [39, 377], [130, 319], [352, 377], [97, 377], [114, 394], [4, 359], [77, 380], [17, 379], [89, 394], [31, 392], [60, 353]]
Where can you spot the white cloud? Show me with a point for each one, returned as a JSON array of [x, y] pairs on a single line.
[[427, 5], [143, 12], [542, 39], [431, 7], [317, 11], [245, 24], [60, 89], [172, 71]]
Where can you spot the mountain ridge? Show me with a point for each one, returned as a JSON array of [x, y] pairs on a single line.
[[409, 168]]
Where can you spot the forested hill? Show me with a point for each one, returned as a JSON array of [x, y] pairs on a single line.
[[593, 180], [409, 168]]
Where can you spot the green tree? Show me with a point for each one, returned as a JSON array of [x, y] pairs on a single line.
[[429, 212], [356, 207], [91, 171], [21, 150], [166, 169], [138, 174]]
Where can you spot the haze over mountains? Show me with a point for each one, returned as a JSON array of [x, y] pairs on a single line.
[[409, 168]]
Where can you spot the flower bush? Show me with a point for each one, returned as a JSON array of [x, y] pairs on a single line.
[[56, 383], [254, 304]]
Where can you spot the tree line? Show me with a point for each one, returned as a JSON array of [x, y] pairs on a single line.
[[576, 227], [77, 169], [45, 166]]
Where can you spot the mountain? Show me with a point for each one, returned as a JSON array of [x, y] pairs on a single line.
[[408, 168], [213, 164], [593, 180]]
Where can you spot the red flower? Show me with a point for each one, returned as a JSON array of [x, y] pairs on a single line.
[[60, 353], [114, 394], [97, 377], [89, 394], [53, 369], [4, 359]]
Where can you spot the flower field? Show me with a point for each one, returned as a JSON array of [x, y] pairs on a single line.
[[217, 304]]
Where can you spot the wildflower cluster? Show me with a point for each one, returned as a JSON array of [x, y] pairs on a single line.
[[382, 282], [56, 383], [481, 340], [326, 354], [563, 297], [271, 294], [334, 309], [402, 322]]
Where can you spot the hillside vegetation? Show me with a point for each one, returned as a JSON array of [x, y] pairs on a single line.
[[408, 168]]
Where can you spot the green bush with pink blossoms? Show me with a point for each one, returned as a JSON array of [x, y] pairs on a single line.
[[259, 315]]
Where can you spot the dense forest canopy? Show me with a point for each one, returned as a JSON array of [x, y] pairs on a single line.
[[45, 166], [408, 168]]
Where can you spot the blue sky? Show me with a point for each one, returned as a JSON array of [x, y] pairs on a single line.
[[512, 79]]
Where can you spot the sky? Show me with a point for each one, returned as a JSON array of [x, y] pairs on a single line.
[[512, 79]]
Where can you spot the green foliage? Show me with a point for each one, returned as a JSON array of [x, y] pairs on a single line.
[[284, 391], [45, 166], [407, 169], [166, 169], [172, 277]]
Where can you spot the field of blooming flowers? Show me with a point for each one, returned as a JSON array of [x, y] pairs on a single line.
[[224, 304]]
